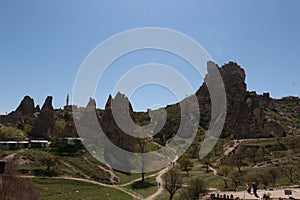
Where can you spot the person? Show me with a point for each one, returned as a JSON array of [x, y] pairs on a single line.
[[254, 186], [249, 188]]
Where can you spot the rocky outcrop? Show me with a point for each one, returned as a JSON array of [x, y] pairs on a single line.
[[114, 133], [245, 117], [24, 114], [111, 129], [26, 107], [44, 127]]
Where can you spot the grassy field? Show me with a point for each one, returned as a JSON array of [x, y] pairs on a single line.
[[53, 189], [145, 189], [80, 166], [125, 178]]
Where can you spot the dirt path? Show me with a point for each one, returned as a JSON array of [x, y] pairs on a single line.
[[160, 181], [113, 179], [214, 170], [276, 161], [135, 196]]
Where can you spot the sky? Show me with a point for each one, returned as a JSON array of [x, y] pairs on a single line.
[[44, 43]]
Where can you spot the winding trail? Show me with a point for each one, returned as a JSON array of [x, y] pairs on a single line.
[[113, 178], [135, 196], [122, 188], [160, 181], [214, 170]]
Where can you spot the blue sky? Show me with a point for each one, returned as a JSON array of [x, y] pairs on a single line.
[[43, 43]]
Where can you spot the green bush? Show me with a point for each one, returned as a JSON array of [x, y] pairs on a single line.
[[11, 133]]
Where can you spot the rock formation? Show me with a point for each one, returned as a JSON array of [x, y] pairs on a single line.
[[110, 127], [44, 127], [114, 133], [24, 114], [245, 110], [26, 107]]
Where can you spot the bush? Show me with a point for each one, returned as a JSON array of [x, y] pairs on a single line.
[[197, 189], [11, 133]]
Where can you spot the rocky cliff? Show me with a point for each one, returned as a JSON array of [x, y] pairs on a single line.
[[110, 127], [245, 117], [24, 114]]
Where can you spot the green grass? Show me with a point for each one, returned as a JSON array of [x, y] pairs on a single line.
[[83, 167], [145, 189], [126, 178], [53, 189], [166, 196], [73, 166], [209, 178]]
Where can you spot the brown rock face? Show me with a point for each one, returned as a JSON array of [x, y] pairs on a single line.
[[245, 117], [110, 127], [114, 133], [26, 107], [44, 127], [23, 114]]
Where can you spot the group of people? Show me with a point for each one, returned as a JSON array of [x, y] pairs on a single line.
[[220, 197], [254, 187]]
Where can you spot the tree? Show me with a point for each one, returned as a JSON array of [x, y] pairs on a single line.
[[48, 160], [206, 161], [218, 148], [141, 147], [251, 153], [237, 159], [185, 164], [289, 171], [60, 126], [264, 178], [173, 182], [235, 177], [27, 129], [261, 152], [11, 133], [250, 177], [274, 173], [293, 142], [224, 172], [195, 190]]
